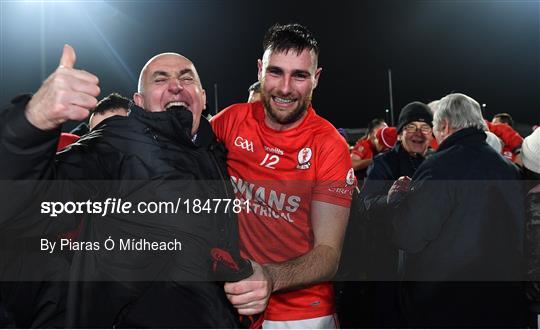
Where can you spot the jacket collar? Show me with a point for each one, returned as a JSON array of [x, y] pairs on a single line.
[[463, 136], [175, 124]]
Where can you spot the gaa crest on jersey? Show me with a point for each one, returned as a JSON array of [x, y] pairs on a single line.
[[242, 143], [304, 156], [350, 177]]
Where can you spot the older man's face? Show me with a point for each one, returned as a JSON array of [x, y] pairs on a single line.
[[416, 137], [171, 80]]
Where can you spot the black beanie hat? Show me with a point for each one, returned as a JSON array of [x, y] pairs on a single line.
[[414, 111]]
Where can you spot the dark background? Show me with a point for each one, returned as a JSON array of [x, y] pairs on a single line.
[[489, 50]]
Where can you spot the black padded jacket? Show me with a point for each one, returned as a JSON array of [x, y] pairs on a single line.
[[148, 157]]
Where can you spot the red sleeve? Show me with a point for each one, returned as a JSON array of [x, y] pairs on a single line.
[[218, 123], [65, 140], [512, 140], [489, 125], [225, 120], [335, 177], [362, 149]]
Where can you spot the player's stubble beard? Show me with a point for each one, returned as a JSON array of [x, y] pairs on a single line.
[[289, 118]]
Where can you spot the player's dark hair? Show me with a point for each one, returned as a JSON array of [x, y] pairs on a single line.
[[505, 118], [371, 126], [282, 38], [112, 101]]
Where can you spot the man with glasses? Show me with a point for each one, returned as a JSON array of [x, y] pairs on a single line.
[[414, 137]]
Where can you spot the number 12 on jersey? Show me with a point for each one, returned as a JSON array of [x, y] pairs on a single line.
[[269, 161]]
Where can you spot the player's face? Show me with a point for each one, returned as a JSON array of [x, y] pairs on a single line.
[[287, 83], [171, 80]]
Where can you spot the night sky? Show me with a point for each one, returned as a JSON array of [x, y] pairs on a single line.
[[489, 50]]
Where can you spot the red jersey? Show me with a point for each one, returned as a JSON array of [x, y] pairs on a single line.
[[364, 149], [511, 139], [281, 173], [65, 140]]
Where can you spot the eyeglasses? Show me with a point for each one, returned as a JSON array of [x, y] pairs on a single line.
[[412, 128]]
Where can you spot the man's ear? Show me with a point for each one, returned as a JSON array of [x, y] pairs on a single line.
[[138, 99], [446, 127], [316, 78], [259, 69]]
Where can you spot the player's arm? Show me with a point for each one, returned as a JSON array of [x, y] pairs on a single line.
[[358, 163], [329, 222]]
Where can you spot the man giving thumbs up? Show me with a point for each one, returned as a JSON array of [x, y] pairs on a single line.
[[162, 151]]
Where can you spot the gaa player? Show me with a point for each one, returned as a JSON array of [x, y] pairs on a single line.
[[295, 169]]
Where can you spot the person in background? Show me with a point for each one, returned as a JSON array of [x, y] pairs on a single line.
[[460, 222], [385, 138], [112, 105], [503, 118], [363, 151], [510, 138], [530, 154], [414, 137], [254, 92]]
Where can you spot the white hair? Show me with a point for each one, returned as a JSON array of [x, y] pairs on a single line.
[[433, 105], [460, 110]]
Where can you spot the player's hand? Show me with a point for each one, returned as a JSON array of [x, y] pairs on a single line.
[[400, 186], [67, 94], [250, 296]]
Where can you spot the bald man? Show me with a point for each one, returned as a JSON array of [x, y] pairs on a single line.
[[164, 138]]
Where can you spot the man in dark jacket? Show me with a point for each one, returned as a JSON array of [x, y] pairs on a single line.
[[161, 153], [461, 224], [530, 155], [415, 135]]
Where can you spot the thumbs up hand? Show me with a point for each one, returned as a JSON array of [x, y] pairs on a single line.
[[67, 94]]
